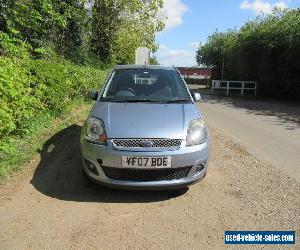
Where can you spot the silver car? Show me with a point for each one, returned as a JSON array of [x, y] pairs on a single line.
[[145, 131]]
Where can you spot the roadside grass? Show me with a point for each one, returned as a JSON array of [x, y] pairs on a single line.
[[19, 150]]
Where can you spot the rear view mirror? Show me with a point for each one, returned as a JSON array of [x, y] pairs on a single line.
[[197, 97], [93, 95]]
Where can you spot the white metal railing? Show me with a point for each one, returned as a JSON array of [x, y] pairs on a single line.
[[227, 85]]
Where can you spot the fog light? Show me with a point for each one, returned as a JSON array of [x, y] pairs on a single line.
[[200, 167], [91, 167], [100, 162]]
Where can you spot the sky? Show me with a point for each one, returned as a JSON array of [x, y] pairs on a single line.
[[190, 22]]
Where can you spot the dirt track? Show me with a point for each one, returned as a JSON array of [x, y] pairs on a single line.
[[51, 205]]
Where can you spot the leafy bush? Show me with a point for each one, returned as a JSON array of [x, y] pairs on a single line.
[[18, 102], [29, 87], [14, 47]]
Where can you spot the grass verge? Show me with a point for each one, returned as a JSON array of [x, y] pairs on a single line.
[[21, 149]]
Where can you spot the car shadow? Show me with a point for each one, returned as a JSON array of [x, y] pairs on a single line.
[[59, 175]]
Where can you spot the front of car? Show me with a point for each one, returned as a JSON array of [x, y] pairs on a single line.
[[145, 131]]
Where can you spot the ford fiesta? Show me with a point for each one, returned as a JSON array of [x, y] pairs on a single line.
[[145, 131]]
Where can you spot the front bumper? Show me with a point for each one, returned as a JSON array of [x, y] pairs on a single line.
[[195, 157]]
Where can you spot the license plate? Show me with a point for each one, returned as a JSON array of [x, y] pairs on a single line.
[[146, 162]]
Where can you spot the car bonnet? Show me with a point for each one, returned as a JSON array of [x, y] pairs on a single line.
[[145, 120]]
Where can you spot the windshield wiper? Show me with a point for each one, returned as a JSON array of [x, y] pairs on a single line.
[[113, 100], [178, 100], [142, 100], [129, 100], [159, 101]]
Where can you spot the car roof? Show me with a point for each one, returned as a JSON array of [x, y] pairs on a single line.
[[134, 66]]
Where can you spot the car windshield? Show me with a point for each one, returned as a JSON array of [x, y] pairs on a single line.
[[146, 85]]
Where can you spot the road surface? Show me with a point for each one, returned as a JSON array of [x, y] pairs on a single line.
[[269, 130]]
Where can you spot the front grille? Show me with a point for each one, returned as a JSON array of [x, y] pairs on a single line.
[[147, 143], [166, 174]]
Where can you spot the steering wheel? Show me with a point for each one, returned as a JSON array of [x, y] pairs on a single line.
[[127, 89]]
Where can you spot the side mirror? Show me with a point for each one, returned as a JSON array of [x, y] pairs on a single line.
[[93, 95], [196, 96]]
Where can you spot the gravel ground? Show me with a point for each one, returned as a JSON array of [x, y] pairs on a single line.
[[51, 205]]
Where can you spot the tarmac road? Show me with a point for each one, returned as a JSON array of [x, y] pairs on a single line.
[[269, 130]]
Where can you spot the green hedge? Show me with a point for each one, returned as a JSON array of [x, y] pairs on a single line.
[[265, 50], [30, 87]]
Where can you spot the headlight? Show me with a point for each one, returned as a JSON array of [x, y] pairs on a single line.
[[196, 133], [95, 131]]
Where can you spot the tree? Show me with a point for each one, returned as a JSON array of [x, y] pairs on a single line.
[[140, 22], [69, 38], [120, 26], [106, 18], [32, 21], [216, 52], [153, 61], [101, 31]]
